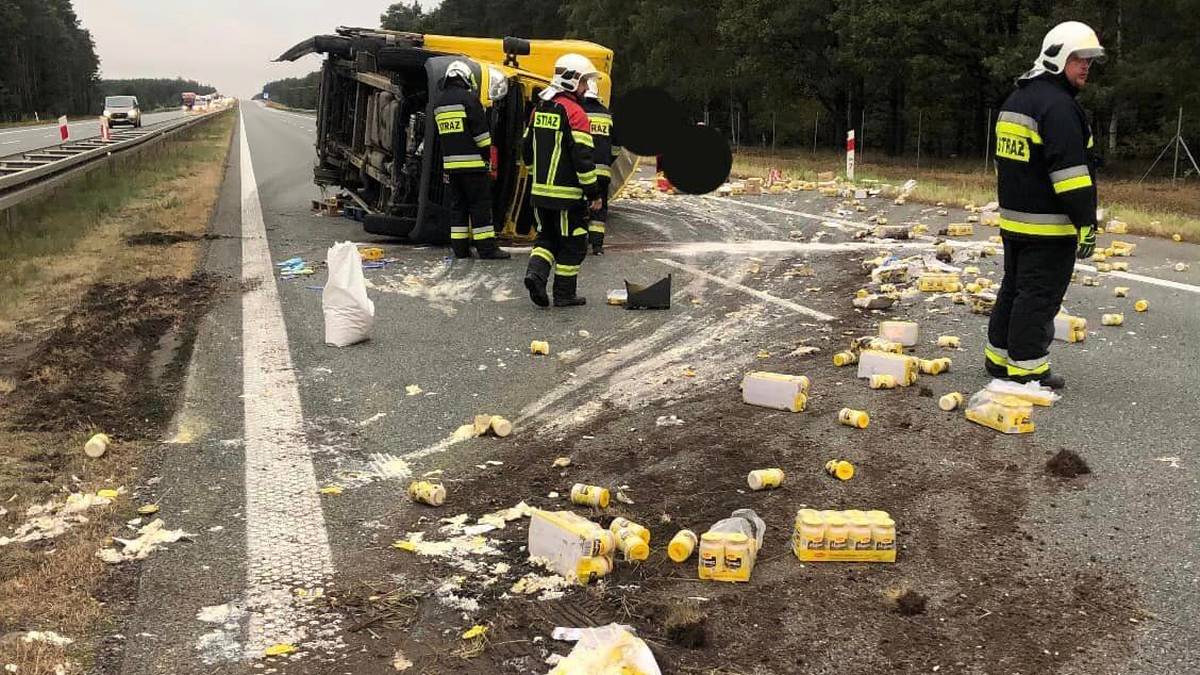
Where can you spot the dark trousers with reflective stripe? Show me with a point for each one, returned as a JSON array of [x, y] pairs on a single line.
[[469, 195], [561, 246], [1036, 276], [599, 221]]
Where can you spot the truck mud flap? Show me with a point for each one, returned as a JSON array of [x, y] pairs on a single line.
[[655, 296]]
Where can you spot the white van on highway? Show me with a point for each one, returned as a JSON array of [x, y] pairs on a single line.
[[122, 110]]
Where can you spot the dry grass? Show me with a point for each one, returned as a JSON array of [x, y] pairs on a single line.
[[1155, 208], [62, 247]]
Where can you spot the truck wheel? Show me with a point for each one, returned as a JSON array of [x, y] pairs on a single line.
[[388, 226]]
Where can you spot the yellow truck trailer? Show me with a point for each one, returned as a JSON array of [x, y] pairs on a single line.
[[375, 134]]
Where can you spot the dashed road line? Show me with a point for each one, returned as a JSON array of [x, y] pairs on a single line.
[[287, 545], [761, 295], [842, 223]]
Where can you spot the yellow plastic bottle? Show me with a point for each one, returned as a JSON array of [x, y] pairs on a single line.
[[590, 495], [882, 381], [1141, 306], [632, 545], [739, 557], [837, 531], [762, 479], [712, 555], [811, 528], [682, 545], [950, 401], [539, 347], [844, 359], [860, 534], [840, 469], [854, 418], [625, 523]]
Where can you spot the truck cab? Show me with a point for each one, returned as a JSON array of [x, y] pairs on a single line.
[[375, 132]]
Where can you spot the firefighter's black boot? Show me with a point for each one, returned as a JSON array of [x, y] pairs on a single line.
[[489, 250], [536, 276], [1046, 379], [461, 248], [596, 239], [995, 369], [564, 292]]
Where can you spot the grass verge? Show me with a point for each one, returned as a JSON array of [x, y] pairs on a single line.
[[1154, 208], [73, 279]]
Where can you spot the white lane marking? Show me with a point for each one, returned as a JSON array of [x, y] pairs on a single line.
[[767, 297], [309, 118], [1165, 283], [287, 546], [842, 222]]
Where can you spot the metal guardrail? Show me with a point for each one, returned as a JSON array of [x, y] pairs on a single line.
[[30, 173]]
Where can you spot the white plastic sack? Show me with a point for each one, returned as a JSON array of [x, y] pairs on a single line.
[[349, 313]]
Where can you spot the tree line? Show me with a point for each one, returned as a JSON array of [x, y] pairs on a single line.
[[48, 62], [152, 93], [49, 67], [766, 71], [295, 92]]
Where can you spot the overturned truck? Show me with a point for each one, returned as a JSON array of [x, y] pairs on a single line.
[[375, 131]]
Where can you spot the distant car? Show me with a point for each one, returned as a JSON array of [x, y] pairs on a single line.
[[122, 110]]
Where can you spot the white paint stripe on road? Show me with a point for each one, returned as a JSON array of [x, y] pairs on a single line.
[[287, 546], [843, 223], [1165, 283], [761, 295]]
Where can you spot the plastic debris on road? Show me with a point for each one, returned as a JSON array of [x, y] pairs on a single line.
[[1033, 392], [474, 632], [1005, 413], [151, 537], [412, 390], [281, 649], [608, 650], [96, 446], [349, 313], [49, 520]]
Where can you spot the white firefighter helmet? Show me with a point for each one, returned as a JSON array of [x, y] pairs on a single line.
[[593, 89], [462, 71], [571, 70], [1070, 38]]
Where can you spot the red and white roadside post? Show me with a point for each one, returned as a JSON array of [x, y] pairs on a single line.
[[850, 155], [64, 132], [105, 130]]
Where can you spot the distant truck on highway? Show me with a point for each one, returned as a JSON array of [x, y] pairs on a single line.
[[189, 99], [376, 137]]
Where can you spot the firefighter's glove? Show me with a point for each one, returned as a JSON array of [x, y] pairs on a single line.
[[1087, 242]]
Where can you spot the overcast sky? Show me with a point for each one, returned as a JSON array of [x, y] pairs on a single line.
[[226, 43]]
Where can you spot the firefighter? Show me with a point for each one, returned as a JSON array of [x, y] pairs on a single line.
[[558, 154], [466, 152], [605, 153], [1047, 193]]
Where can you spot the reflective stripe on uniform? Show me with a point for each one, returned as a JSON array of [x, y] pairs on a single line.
[[563, 223], [454, 107], [462, 161], [483, 140], [566, 270], [578, 232], [542, 190], [583, 138], [1072, 184], [1091, 141], [587, 177], [555, 156], [995, 354], [1046, 224], [604, 170], [485, 232], [543, 253], [1018, 125], [1029, 367], [460, 232], [596, 226]]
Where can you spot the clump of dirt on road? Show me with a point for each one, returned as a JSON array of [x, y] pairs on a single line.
[[105, 367], [685, 625], [908, 602], [166, 238], [1067, 464]]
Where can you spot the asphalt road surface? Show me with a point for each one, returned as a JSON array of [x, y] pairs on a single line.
[[272, 414], [24, 139]]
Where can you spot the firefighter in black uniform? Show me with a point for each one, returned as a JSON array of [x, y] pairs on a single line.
[[558, 154], [1047, 193], [606, 152], [466, 148]]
